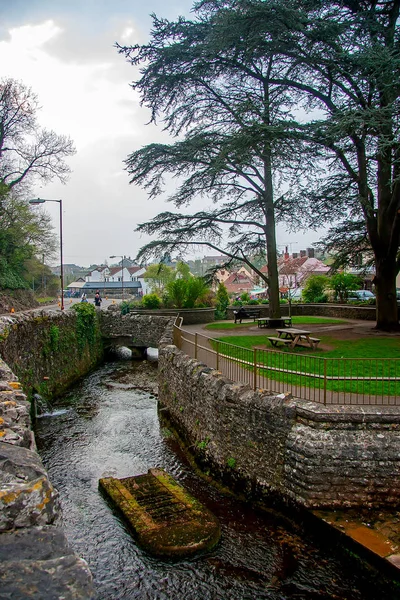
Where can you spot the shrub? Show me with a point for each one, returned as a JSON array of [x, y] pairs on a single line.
[[151, 301], [252, 302], [264, 301], [343, 283], [222, 301], [237, 303], [245, 297], [315, 288]]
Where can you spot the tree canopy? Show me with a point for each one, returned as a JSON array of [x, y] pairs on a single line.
[[282, 109], [233, 127], [28, 153]]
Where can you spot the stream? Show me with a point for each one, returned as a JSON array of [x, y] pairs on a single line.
[[104, 426]]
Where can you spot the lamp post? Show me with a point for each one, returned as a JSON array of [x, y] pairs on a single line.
[[122, 276], [42, 201]]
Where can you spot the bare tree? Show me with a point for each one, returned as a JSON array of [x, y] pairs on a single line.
[[27, 151]]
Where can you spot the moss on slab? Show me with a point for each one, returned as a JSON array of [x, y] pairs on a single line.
[[166, 520]]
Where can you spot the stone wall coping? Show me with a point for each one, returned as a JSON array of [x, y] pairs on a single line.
[[346, 413]]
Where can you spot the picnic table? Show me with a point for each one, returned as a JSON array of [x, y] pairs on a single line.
[[265, 321], [293, 337]]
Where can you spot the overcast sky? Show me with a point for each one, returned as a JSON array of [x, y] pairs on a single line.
[[64, 50]]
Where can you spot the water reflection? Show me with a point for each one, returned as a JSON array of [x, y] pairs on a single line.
[[102, 430]]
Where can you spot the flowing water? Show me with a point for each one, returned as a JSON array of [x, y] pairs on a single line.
[[101, 428]]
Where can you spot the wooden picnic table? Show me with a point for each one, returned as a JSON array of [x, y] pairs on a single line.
[[293, 337], [265, 321]]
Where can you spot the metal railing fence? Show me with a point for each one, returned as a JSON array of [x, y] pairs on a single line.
[[358, 381]]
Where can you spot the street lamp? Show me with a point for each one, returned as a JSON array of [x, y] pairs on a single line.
[[122, 276], [42, 201]]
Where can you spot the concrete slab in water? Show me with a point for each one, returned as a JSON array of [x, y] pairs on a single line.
[[167, 521]]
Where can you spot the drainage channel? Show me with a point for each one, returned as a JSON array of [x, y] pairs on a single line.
[[106, 427]]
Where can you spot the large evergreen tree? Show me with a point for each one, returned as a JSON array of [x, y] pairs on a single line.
[[233, 128], [345, 58]]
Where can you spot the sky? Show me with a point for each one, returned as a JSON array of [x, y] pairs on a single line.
[[64, 50]]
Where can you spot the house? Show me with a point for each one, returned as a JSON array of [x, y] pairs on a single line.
[[294, 270], [239, 283], [97, 274], [223, 274]]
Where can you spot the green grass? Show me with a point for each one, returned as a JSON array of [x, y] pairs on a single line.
[[295, 320], [47, 300], [366, 355]]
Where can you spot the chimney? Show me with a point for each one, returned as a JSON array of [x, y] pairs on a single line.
[[286, 255], [310, 252], [303, 253]]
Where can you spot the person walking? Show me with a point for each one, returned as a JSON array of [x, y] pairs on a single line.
[[97, 299]]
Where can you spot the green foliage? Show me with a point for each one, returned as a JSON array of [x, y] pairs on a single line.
[[151, 301], [22, 233], [221, 301], [237, 303], [54, 334], [203, 444], [315, 287], [342, 283], [231, 462], [85, 325], [158, 276], [253, 302], [245, 297], [184, 293]]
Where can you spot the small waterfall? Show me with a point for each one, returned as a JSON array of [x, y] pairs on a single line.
[[40, 405]]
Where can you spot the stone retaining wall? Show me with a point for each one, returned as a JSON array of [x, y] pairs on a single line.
[[268, 445], [139, 329], [340, 311], [190, 316], [36, 560], [50, 350]]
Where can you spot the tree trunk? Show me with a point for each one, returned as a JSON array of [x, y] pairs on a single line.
[[273, 279], [386, 301]]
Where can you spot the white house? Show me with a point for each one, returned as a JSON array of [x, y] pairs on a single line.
[[97, 275]]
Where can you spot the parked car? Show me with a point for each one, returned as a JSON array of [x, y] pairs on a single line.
[[361, 296], [295, 294]]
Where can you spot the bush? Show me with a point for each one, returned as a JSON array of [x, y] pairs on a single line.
[[237, 303], [245, 297], [315, 288], [221, 302], [151, 301], [252, 302], [264, 301], [321, 299]]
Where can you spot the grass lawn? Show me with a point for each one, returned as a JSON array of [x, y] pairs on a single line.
[[295, 320], [366, 356]]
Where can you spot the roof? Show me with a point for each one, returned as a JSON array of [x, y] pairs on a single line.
[[76, 284], [291, 265], [111, 285], [133, 270], [239, 278]]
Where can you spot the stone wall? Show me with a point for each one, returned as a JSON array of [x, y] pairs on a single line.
[[267, 445], [190, 316], [36, 560], [138, 329], [50, 350], [340, 311]]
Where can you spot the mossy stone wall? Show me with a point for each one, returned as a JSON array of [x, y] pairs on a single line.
[[48, 350]]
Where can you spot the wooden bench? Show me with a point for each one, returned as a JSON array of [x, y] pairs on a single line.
[[246, 313], [274, 340], [315, 341]]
